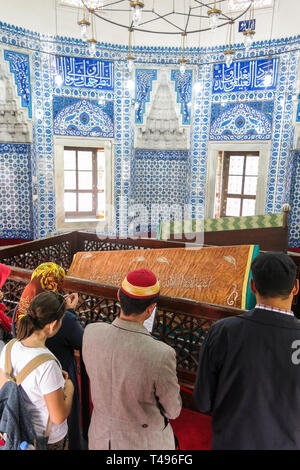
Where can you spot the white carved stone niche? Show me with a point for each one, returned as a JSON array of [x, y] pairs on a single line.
[[162, 129], [15, 126]]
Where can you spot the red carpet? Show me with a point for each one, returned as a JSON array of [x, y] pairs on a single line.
[[193, 430]]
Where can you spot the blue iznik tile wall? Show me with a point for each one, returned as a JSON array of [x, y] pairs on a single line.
[[77, 117], [159, 182], [229, 104], [183, 86], [241, 121], [294, 219], [20, 67], [159, 174], [16, 197]]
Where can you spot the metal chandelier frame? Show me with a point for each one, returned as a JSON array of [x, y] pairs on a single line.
[[194, 10]]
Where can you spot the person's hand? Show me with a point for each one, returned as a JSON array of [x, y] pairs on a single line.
[[65, 374], [69, 387], [71, 300]]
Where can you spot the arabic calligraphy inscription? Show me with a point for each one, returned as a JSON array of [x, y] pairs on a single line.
[[245, 76], [85, 73]]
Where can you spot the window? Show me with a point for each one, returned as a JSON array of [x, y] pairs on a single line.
[[84, 182], [238, 178]]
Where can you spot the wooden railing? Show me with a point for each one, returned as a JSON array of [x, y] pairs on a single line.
[[60, 249], [29, 255], [181, 323]]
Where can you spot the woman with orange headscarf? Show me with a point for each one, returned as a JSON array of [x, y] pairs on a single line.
[[46, 277], [50, 277]]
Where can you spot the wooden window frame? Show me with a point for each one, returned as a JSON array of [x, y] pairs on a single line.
[[225, 194], [94, 191]]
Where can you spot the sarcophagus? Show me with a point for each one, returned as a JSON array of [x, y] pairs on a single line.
[[218, 275]]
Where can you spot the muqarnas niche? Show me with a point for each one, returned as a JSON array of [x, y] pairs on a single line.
[[162, 129]]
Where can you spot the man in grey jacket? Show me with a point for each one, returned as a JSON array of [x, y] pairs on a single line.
[[134, 385]]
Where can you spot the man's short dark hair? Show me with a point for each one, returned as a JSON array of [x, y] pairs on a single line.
[[132, 306], [274, 274]]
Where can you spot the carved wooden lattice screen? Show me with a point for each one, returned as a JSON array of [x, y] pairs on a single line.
[[29, 255], [180, 323]]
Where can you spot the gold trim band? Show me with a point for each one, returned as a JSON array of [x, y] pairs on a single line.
[[140, 291], [246, 277]]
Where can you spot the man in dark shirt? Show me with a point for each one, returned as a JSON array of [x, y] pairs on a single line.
[[248, 376]]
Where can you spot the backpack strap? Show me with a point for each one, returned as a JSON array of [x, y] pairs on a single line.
[[33, 364], [7, 365]]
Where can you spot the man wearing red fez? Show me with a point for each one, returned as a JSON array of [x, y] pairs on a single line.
[[134, 385]]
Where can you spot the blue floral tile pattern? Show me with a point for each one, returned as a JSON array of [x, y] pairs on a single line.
[[43, 149], [20, 66], [159, 181], [282, 133], [82, 118], [242, 121], [294, 219], [196, 182], [144, 79], [15, 195], [184, 89], [130, 172]]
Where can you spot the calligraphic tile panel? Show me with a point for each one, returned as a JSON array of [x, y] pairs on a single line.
[[83, 72], [249, 75]]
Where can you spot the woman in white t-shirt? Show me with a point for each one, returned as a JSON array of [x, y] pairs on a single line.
[[48, 390]]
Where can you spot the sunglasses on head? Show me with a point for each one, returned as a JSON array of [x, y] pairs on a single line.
[[62, 300]]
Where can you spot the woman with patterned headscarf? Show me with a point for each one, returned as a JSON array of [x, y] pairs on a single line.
[[46, 277], [50, 277]]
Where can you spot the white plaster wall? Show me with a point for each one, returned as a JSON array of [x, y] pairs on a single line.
[[39, 15], [264, 149]]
